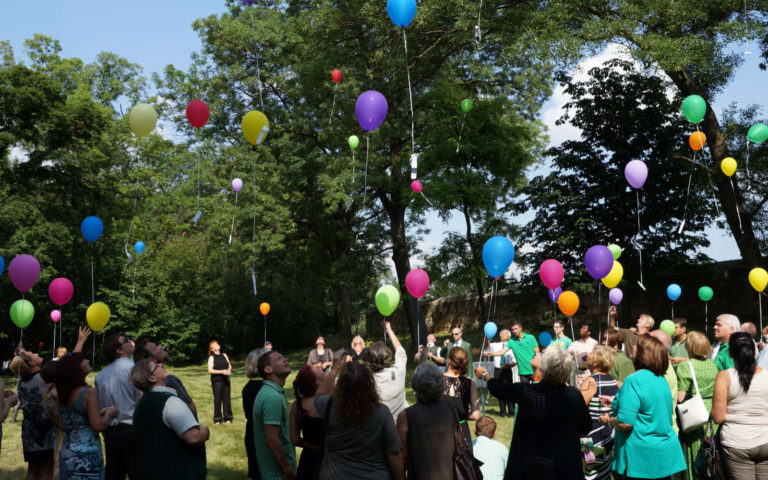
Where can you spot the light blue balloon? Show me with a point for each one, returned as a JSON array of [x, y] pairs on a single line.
[[92, 228], [490, 330], [139, 246], [545, 339], [498, 253], [674, 291], [401, 11]]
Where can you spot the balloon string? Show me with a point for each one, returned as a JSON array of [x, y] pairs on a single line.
[[599, 325], [673, 309], [418, 327], [258, 69], [639, 237], [706, 318], [410, 94], [253, 232], [133, 216], [685, 210], [265, 329], [353, 166], [232, 230], [93, 288], [425, 198], [747, 162], [760, 310], [573, 335], [333, 104], [54, 339], [461, 130], [736, 201], [133, 289], [478, 34], [365, 186], [93, 349]]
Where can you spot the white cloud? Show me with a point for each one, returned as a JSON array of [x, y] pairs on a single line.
[[18, 154]]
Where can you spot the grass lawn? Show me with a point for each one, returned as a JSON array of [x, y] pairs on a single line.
[[225, 448]]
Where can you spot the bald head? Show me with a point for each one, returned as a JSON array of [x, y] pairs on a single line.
[[750, 328], [663, 337]]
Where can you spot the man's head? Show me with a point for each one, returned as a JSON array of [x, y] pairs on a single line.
[[558, 327], [725, 326], [645, 323], [457, 333], [431, 339], [749, 328], [585, 331], [663, 337], [273, 365], [148, 373], [505, 335], [60, 352], [681, 328], [117, 346], [26, 362], [517, 328], [485, 427], [148, 349], [268, 346]]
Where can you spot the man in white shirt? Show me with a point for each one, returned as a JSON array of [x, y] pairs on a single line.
[[579, 349]]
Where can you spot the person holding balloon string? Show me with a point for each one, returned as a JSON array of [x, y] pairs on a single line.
[[504, 371], [644, 325], [580, 350], [559, 328]]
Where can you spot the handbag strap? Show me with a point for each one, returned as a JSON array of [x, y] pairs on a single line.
[[693, 376]]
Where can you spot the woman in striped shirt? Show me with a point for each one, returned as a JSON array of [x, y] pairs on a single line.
[[598, 458]]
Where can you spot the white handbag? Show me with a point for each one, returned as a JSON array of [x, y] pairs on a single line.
[[692, 413]]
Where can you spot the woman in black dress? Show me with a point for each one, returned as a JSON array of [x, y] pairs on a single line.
[[220, 370], [461, 391], [250, 390], [307, 429]]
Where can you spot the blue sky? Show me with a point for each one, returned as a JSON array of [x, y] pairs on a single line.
[[157, 33]]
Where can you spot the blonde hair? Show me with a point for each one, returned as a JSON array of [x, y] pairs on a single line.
[[697, 345], [357, 339], [649, 319], [603, 358]]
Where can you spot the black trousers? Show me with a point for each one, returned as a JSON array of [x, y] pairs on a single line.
[[221, 395], [523, 379], [122, 455], [504, 375]]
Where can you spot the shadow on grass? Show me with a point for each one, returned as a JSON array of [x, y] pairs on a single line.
[[14, 474]]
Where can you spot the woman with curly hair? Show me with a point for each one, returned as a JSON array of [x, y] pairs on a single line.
[[361, 439], [306, 425]]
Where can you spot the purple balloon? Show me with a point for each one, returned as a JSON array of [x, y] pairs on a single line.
[[371, 110], [636, 172], [555, 294], [237, 184], [24, 271], [615, 296], [599, 261]]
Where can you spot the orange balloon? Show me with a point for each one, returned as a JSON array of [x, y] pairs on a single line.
[[264, 308], [568, 303], [697, 140]]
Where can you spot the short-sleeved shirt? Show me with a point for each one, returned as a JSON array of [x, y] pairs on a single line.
[[356, 450], [565, 342], [391, 384], [176, 414], [271, 408], [493, 454], [524, 350], [630, 340], [175, 383], [705, 371], [678, 350], [115, 388], [622, 367], [580, 349], [723, 360]]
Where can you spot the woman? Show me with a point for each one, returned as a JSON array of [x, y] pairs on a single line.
[[320, 356], [599, 361], [81, 419], [428, 429], [646, 446], [461, 391], [361, 440], [551, 419], [390, 380], [739, 403], [37, 430], [359, 353], [307, 428], [622, 367], [220, 369], [704, 371], [250, 390]]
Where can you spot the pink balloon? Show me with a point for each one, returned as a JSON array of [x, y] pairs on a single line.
[[56, 316], [417, 282], [551, 273], [416, 186], [24, 271], [237, 184], [60, 290]]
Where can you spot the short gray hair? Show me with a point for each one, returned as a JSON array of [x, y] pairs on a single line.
[[140, 374], [556, 364], [427, 383], [730, 320], [252, 362]]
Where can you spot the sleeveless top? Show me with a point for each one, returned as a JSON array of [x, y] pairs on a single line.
[[746, 417], [312, 430], [219, 363], [431, 437], [80, 455]]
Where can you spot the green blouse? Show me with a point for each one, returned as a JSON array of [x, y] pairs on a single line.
[[706, 372]]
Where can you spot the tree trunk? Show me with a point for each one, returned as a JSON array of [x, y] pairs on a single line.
[[343, 316], [475, 256], [744, 233]]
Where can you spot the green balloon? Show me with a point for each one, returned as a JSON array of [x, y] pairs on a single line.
[[668, 326], [758, 133], [694, 108], [387, 298], [615, 250], [466, 105], [706, 294], [353, 142], [22, 312]]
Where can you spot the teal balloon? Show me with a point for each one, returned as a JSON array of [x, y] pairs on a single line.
[[466, 105], [387, 299], [694, 108], [758, 133], [706, 294], [139, 246], [22, 313], [668, 326]]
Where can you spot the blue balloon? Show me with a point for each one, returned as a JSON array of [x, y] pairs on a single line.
[[674, 291], [545, 339], [139, 246], [401, 11], [92, 228], [498, 253], [490, 330], [2, 264]]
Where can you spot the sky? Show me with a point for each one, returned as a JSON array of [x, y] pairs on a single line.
[[158, 33]]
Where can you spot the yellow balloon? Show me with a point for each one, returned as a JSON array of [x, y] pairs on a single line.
[[143, 119], [758, 278], [614, 276], [728, 166], [255, 127], [97, 316]]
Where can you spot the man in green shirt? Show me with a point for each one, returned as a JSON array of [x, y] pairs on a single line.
[[725, 326], [457, 333], [524, 346], [677, 352], [559, 327], [271, 420]]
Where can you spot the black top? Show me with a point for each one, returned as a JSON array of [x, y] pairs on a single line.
[[312, 431], [359, 357], [549, 424], [431, 440], [250, 390], [219, 363]]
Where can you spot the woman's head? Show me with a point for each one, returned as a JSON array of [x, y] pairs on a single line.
[[379, 356], [307, 380], [556, 364], [252, 362], [356, 397], [358, 344], [458, 359], [70, 374], [741, 348], [651, 355], [601, 359], [214, 348], [613, 339], [697, 345], [427, 383]]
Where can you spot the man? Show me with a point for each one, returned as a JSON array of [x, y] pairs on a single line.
[[268, 346], [432, 352], [579, 351], [171, 442], [677, 352], [147, 349], [670, 375], [751, 329], [503, 370], [559, 327], [114, 386], [725, 326], [457, 333], [645, 323], [493, 454], [524, 346], [271, 420]]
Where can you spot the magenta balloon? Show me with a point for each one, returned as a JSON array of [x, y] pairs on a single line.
[[60, 290], [555, 294], [416, 186], [616, 296], [417, 282], [636, 172], [24, 271], [371, 110], [551, 273], [56, 316], [599, 261], [237, 184]]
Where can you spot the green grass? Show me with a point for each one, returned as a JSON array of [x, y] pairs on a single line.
[[225, 449]]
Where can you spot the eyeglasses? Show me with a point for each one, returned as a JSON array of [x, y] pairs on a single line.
[[126, 340], [456, 333], [157, 365]]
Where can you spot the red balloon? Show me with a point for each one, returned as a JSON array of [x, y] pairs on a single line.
[[198, 113], [60, 290], [336, 75]]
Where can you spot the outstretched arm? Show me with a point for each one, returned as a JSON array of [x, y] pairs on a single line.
[[82, 336], [392, 337]]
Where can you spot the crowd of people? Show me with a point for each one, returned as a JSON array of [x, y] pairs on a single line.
[[584, 408]]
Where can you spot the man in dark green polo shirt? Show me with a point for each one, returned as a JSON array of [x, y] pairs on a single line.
[[677, 352], [725, 326], [524, 346]]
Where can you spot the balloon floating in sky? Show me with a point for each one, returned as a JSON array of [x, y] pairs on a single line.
[[417, 282], [728, 166], [758, 133], [615, 295], [139, 247], [336, 75], [490, 330], [614, 276], [599, 261], [92, 227], [143, 119], [55, 316], [551, 273], [198, 113], [401, 12], [24, 271], [555, 294], [636, 172], [758, 278], [416, 186], [568, 303], [22, 313], [697, 140], [615, 250], [237, 184], [466, 105], [387, 298], [60, 290], [371, 110], [353, 141], [97, 316], [255, 127], [706, 294], [674, 291], [264, 308], [498, 253], [694, 108]]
